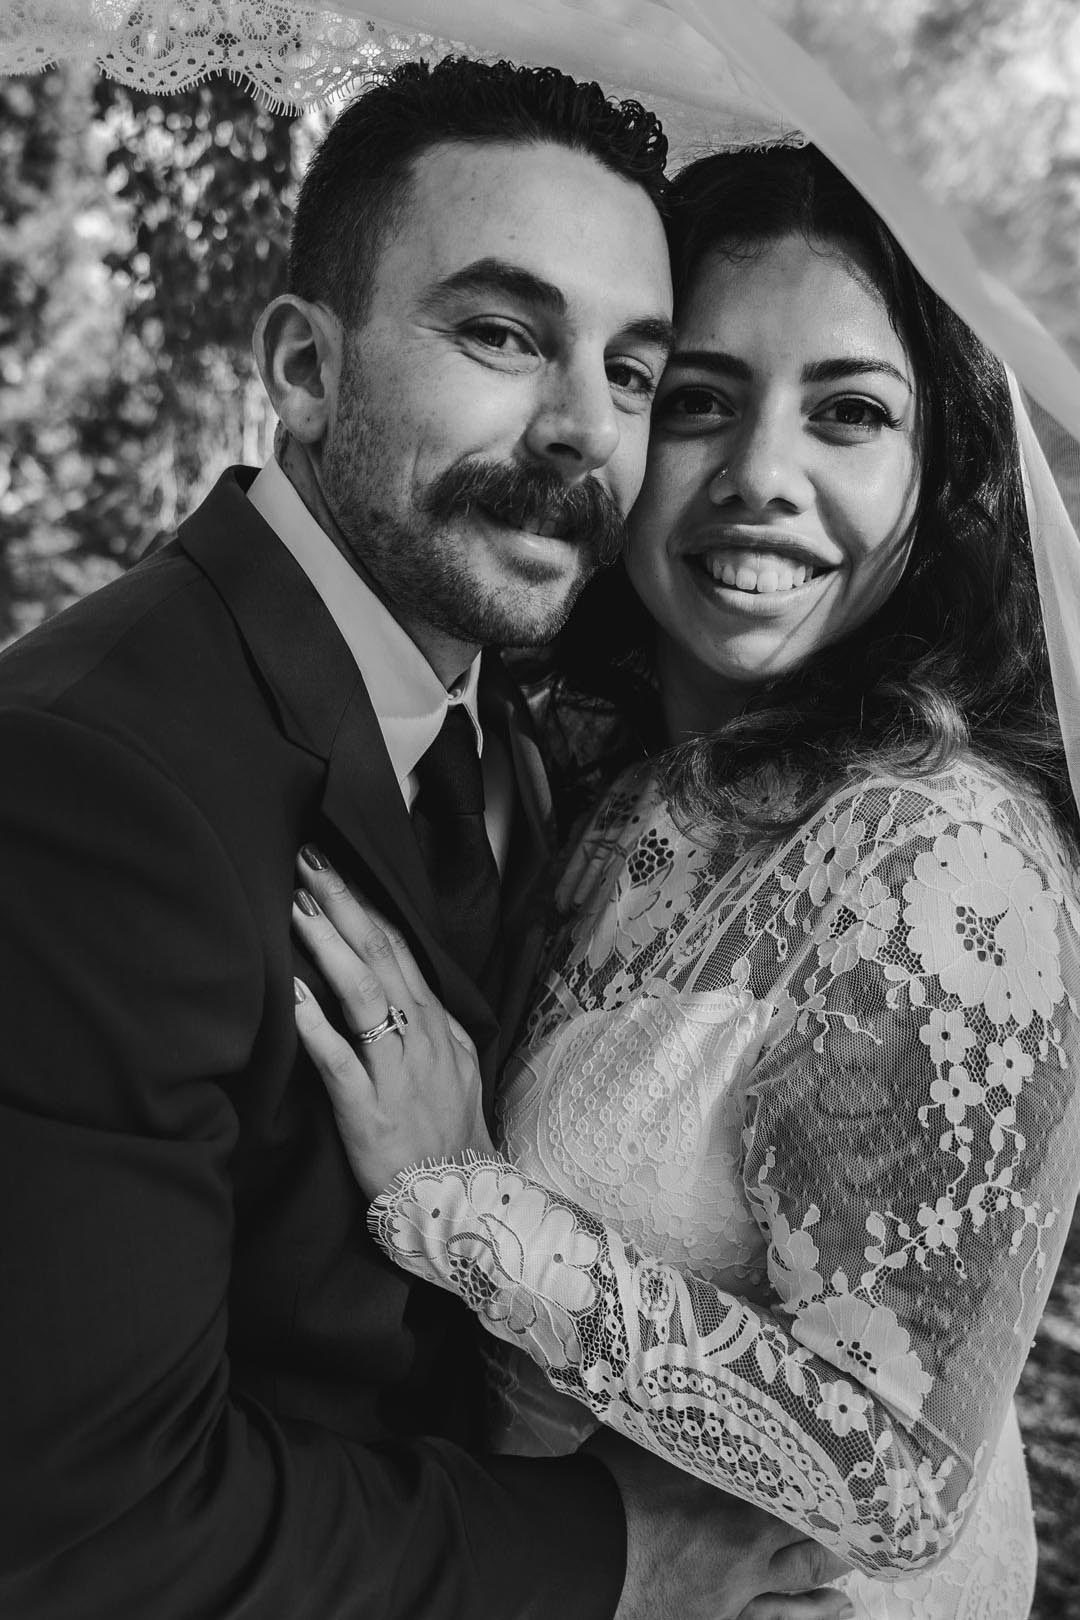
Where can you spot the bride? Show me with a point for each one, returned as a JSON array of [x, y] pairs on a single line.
[[789, 1148]]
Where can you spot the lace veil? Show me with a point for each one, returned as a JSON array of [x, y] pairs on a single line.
[[720, 73]]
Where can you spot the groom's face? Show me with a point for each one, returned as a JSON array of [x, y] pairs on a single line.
[[492, 410]]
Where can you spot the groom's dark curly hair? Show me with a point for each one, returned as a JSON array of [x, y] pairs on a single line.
[[357, 186]]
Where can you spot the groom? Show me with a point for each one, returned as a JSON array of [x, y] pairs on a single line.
[[218, 1399]]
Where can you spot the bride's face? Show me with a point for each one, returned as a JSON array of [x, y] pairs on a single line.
[[783, 473]]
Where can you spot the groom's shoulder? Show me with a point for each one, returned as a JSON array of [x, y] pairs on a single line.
[[127, 644], [162, 626]]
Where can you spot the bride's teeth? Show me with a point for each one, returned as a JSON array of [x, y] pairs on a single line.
[[762, 577]]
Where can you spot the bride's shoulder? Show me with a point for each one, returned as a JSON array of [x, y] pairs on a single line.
[[971, 792]]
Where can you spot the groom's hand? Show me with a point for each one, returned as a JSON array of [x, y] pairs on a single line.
[[695, 1553]]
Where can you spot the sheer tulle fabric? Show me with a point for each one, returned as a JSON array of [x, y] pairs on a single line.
[[794, 1142]]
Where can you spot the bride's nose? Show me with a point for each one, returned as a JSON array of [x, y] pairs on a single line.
[[763, 466]]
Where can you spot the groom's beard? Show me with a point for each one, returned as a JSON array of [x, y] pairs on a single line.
[[433, 560]]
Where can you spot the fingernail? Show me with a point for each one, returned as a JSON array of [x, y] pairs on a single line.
[[306, 902], [313, 858], [299, 991]]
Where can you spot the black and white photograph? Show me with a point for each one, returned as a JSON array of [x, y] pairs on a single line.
[[540, 810]]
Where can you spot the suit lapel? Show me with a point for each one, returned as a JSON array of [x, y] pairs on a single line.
[[316, 690], [322, 705]]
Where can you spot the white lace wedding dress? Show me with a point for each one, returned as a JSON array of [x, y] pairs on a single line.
[[794, 1148]]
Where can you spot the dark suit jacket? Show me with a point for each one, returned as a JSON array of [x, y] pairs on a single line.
[[217, 1399]]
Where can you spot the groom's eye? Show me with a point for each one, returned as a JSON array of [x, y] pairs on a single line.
[[501, 337], [631, 377]]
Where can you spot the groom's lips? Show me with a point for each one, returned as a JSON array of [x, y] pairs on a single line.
[[538, 523]]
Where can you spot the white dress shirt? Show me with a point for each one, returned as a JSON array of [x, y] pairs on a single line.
[[409, 700]]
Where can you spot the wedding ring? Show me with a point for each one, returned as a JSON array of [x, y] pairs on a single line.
[[395, 1020]]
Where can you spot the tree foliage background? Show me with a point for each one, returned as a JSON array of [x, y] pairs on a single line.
[[138, 241]]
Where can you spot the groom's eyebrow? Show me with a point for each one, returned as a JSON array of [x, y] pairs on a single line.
[[498, 276], [512, 281]]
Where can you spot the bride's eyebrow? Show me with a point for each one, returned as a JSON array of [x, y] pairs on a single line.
[[818, 371], [711, 360], [839, 370]]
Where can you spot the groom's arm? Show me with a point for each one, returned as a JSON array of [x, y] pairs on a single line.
[[133, 1481]]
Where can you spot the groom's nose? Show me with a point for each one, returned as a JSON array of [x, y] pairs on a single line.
[[575, 427]]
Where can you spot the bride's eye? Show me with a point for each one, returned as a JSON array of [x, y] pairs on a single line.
[[691, 406], [855, 416]]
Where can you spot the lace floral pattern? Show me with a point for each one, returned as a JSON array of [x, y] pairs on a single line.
[[864, 1042], [292, 55], [302, 54]]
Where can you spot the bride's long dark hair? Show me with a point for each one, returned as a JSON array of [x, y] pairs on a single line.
[[955, 659]]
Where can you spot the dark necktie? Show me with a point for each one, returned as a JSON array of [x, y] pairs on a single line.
[[448, 816]]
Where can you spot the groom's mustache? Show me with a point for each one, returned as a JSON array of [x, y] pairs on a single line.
[[525, 497]]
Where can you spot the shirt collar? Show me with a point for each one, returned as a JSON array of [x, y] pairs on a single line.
[[409, 700]]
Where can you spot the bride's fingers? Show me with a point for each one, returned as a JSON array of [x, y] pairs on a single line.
[[406, 961], [357, 920], [342, 1071], [366, 980]]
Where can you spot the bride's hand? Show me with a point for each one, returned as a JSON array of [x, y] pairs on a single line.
[[411, 1093]]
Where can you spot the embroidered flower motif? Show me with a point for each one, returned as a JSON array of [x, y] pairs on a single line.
[[599, 1379], [842, 1408], [947, 1035], [618, 990], [1008, 1065], [873, 914], [869, 1342], [653, 1292], [535, 1271], [941, 1224], [956, 1092], [829, 855], [658, 867], [979, 920], [793, 1258]]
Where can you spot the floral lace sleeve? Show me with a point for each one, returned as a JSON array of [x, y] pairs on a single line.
[[910, 1152]]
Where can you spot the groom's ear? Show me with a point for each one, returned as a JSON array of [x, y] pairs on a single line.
[[297, 348]]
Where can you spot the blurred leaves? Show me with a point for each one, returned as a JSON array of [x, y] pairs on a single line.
[[138, 241], [981, 98]]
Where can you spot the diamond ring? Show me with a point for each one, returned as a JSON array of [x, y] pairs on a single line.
[[395, 1020]]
